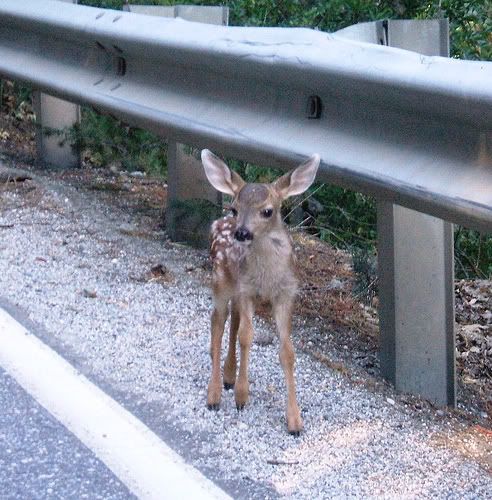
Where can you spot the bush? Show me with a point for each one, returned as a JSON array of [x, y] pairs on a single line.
[[104, 140], [14, 98], [473, 254], [470, 26]]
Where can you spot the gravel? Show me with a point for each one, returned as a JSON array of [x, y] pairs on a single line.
[[80, 269]]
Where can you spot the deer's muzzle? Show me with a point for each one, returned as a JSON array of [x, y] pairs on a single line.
[[243, 234]]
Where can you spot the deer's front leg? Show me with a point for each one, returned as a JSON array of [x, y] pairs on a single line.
[[282, 312], [230, 364], [245, 333], [219, 317]]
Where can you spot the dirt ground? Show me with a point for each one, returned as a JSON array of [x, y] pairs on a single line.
[[326, 275]]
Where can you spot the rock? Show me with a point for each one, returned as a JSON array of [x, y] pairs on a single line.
[[90, 294], [335, 284], [160, 273]]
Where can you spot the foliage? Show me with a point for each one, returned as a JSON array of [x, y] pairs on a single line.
[[470, 26], [364, 263], [106, 4], [349, 218], [104, 140], [327, 16], [15, 97], [473, 254]]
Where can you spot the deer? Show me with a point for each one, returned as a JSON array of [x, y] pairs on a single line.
[[252, 258]]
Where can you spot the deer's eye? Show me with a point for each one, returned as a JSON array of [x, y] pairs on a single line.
[[233, 212], [267, 212]]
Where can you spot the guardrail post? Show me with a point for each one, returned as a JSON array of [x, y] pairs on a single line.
[[188, 215], [53, 114], [192, 204], [416, 291], [415, 258], [416, 269]]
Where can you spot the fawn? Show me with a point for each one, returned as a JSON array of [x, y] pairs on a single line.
[[252, 258]]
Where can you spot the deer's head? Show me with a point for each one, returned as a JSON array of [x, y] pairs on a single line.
[[257, 206]]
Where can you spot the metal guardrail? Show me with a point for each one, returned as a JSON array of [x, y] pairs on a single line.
[[407, 128], [410, 129]]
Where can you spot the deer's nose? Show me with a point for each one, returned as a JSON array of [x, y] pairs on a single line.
[[242, 234]]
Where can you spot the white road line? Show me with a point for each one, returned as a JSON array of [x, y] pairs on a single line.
[[141, 460]]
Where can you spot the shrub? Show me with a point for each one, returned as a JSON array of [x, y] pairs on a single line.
[[104, 140]]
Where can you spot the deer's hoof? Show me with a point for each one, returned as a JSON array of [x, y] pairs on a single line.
[[294, 422], [213, 406], [228, 386], [241, 391]]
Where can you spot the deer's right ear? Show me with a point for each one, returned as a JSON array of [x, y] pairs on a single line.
[[298, 180], [218, 174]]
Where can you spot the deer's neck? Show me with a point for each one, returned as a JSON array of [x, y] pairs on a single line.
[[267, 269]]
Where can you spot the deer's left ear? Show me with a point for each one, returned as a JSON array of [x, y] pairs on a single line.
[[220, 176], [298, 180]]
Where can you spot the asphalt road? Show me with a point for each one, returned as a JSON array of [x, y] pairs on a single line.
[[40, 458]]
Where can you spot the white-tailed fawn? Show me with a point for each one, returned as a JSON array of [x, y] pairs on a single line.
[[253, 259]]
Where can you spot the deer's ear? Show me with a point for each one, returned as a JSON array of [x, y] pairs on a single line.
[[298, 180], [218, 174]]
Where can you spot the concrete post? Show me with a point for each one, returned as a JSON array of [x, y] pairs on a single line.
[[415, 258], [416, 292], [192, 203], [54, 114]]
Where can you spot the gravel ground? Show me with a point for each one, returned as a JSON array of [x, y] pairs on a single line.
[[81, 270]]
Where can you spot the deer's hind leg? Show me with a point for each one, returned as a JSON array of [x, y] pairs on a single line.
[[230, 364], [219, 317], [282, 312]]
